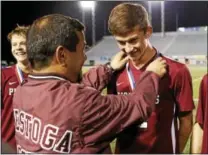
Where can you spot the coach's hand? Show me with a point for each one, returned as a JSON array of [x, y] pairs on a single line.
[[158, 66], [119, 60]]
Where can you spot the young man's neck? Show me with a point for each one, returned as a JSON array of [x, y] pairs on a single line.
[[24, 66], [148, 55]]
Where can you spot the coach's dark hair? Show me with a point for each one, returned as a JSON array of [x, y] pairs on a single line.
[[49, 32]]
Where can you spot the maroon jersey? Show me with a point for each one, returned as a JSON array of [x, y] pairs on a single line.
[[159, 134], [202, 112], [10, 79], [53, 115]]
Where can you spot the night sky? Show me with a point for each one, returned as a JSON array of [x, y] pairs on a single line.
[[190, 13]]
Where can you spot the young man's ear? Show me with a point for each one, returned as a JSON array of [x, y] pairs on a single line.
[[148, 32], [60, 55]]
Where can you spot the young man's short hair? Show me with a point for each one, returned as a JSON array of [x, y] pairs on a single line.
[[126, 16], [19, 30]]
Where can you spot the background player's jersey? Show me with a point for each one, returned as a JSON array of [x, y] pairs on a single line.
[[9, 82], [159, 134], [202, 112]]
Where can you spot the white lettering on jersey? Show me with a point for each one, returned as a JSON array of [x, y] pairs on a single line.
[[28, 120], [123, 93], [16, 118], [50, 131], [127, 93], [49, 139], [20, 150], [21, 122], [12, 91], [64, 144], [36, 130], [144, 125], [157, 99]]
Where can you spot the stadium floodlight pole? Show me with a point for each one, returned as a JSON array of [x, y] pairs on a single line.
[[104, 28], [150, 11], [83, 16], [176, 21], [163, 18], [93, 26], [150, 5], [90, 5]]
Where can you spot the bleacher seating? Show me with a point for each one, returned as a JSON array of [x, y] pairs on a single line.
[[174, 43]]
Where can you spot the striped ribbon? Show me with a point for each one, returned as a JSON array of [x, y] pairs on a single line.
[[131, 76], [19, 74], [133, 84]]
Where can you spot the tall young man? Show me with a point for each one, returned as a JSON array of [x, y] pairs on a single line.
[[130, 26]]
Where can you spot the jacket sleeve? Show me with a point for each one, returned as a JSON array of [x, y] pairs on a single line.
[[105, 116], [97, 77]]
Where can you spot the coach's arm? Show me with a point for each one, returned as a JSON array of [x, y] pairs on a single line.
[[98, 77]]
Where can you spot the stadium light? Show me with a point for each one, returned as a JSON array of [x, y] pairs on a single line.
[[150, 10], [163, 18], [162, 3], [89, 5]]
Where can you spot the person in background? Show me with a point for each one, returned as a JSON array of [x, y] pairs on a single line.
[[11, 77]]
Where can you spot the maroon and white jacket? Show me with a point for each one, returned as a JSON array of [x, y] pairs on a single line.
[[53, 115]]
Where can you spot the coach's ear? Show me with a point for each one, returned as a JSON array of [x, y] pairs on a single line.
[[60, 55], [148, 32]]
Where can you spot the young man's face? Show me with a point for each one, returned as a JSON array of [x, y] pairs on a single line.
[[133, 43], [18, 47]]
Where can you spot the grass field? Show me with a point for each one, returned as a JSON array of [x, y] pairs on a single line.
[[197, 73]]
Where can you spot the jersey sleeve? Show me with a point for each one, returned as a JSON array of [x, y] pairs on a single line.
[[2, 87], [201, 104], [97, 77], [183, 90], [105, 116]]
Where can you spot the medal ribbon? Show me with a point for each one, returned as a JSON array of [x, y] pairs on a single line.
[[19, 74], [133, 85]]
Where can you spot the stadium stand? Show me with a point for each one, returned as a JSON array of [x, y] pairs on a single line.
[[4, 63], [189, 44]]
